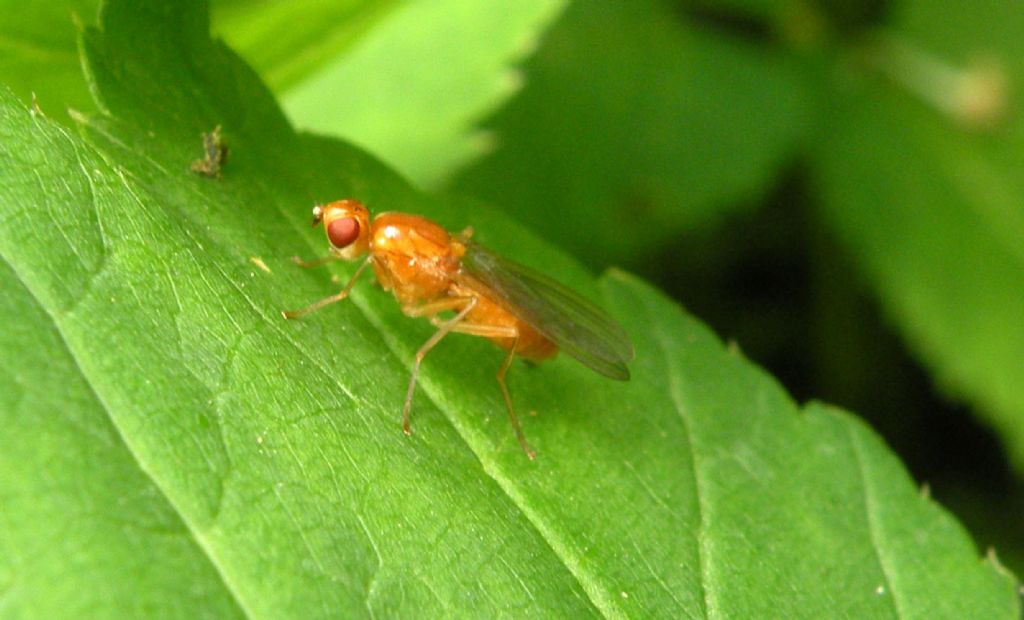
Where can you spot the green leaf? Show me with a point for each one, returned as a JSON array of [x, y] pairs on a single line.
[[411, 89], [696, 489], [287, 42], [79, 514], [634, 125], [930, 201], [40, 57]]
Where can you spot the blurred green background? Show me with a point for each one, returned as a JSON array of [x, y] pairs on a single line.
[[837, 187]]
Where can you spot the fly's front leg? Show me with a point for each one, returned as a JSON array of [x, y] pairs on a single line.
[[444, 328], [326, 301]]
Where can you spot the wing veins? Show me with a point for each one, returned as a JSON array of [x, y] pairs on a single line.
[[577, 326]]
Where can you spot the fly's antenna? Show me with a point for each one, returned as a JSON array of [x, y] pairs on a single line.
[[318, 215]]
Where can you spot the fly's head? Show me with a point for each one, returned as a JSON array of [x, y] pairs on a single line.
[[347, 225]]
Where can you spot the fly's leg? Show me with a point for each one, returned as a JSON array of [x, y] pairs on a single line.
[[508, 399], [326, 301], [433, 307], [441, 332], [455, 324], [500, 331]]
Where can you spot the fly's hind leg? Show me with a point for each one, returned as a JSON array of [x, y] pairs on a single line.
[[456, 324], [499, 331], [432, 308], [508, 399]]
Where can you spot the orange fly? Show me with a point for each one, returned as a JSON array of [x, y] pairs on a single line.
[[431, 272]]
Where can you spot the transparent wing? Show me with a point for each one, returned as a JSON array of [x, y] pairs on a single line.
[[578, 327]]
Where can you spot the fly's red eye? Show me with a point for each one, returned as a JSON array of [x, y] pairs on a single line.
[[343, 231]]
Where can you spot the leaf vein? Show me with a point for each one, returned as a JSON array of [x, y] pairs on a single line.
[[195, 534], [870, 510], [677, 398]]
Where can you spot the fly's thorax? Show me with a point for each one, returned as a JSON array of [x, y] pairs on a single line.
[[412, 256]]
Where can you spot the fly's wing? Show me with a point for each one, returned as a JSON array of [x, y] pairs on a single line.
[[577, 326]]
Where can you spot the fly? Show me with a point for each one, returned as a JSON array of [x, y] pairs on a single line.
[[431, 272]]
